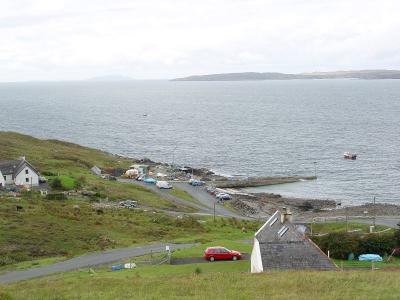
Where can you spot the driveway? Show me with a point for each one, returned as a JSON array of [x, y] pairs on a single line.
[[87, 261]]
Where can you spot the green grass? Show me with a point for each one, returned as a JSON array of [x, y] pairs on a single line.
[[46, 228], [341, 227], [221, 280], [184, 195], [72, 162], [394, 262]]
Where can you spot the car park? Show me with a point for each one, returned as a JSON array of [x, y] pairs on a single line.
[[221, 253]]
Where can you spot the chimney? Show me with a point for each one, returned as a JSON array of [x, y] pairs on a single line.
[[286, 215], [22, 158]]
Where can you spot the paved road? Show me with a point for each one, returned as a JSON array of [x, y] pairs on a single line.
[[89, 260], [206, 206]]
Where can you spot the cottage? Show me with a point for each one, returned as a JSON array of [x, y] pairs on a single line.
[[279, 244], [18, 172]]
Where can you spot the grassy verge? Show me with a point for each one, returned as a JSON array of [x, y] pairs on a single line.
[[184, 195], [222, 280], [342, 227], [394, 262]]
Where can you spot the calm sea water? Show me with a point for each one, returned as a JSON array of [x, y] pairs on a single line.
[[249, 128]]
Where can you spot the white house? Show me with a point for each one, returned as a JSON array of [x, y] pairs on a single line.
[[18, 172]]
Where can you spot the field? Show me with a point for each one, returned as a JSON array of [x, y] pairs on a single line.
[[221, 280]]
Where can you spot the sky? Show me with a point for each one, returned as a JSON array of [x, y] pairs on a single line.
[[161, 39]]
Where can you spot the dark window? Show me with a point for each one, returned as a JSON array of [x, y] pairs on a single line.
[[26, 171], [5, 178], [27, 179]]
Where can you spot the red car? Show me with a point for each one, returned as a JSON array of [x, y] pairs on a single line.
[[221, 253]]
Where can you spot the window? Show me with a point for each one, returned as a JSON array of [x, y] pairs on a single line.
[[5, 178], [26, 171], [27, 179]]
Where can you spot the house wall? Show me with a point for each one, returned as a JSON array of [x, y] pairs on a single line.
[[30, 179], [8, 178], [2, 181], [256, 261]]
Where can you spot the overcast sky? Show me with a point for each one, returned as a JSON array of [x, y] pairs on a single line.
[[79, 39]]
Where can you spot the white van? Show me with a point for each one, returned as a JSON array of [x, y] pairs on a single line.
[[163, 185]]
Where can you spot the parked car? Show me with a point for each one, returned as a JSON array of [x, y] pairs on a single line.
[[163, 185], [128, 204], [150, 180], [197, 183], [223, 196], [141, 177], [221, 253]]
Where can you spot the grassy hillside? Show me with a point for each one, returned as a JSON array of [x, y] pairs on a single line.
[[216, 281], [45, 228], [73, 162]]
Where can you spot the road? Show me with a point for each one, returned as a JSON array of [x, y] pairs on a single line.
[[89, 260], [206, 206]]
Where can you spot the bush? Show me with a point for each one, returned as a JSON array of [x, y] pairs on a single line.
[[57, 184], [341, 244], [47, 173]]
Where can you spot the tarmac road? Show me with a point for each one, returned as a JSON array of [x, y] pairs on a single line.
[[89, 260]]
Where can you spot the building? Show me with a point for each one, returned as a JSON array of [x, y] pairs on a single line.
[[18, 172], [279, 244]]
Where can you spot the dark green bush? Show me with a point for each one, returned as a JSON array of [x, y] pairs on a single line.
[[57, 184], [341, 244]]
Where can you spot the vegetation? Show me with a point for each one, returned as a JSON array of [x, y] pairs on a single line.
[[341, 244], [343, 227], [44, 228], [183, 195], [68, 166], [221, 280]]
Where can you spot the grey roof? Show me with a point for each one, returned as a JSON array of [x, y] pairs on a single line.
[[13, 167], [9, 166], [283, 246]]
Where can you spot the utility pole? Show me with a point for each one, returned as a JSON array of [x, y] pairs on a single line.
[[214, 212], [374, 213]]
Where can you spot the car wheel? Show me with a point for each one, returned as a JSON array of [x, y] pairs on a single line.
[[234, 258], [212, 258]]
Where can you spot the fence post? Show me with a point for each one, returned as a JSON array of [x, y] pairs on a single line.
[[373, 266]]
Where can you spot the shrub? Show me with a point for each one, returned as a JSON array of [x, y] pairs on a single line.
[[56, 184], [341, 244]]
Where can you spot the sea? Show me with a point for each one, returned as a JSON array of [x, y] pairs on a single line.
[[244, 128]]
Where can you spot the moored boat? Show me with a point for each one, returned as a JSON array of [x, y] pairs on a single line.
[[348, 155]]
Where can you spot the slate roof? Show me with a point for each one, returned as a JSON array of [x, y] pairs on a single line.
[[13, 167], [9, 166], [283, 246]]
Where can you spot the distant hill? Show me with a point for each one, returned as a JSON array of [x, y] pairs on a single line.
[[362, 74]]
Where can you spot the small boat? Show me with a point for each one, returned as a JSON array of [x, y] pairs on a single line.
[[348, 155]]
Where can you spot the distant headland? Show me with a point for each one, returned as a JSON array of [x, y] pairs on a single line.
[[359, 74]]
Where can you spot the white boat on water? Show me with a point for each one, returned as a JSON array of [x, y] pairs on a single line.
[[349, 155]]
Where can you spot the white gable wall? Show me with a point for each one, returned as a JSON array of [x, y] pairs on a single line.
[[256, 261], [27, 177], [2, 181]]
